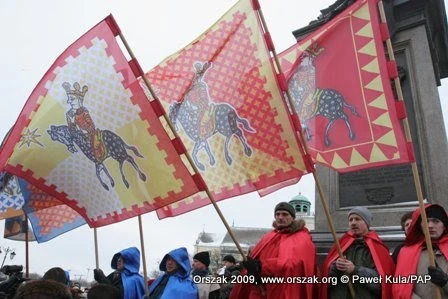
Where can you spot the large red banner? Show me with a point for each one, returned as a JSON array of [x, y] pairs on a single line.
[[222, 95], [340, 82]]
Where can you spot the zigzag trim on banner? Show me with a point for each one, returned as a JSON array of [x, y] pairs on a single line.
[[384, 145]]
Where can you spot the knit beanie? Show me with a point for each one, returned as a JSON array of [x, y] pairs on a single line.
[[203, 257], [436, 211], [284, 206], [229, 258], [362, 212]]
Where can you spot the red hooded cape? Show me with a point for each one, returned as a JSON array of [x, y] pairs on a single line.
[[294, 256], [380, 254], [409, 256]]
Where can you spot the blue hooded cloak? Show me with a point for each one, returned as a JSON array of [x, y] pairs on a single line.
[[180, 285], [133, 282]]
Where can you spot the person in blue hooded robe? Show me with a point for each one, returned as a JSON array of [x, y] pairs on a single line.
[[176, 281], [126, 278]]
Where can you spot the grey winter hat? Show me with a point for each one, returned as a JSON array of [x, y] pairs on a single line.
[[284, 206], [362, 212]]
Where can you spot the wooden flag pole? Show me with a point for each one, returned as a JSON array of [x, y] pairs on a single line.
[[95, 240], [306, 151], [142, 246], [27, 246], [408, 136], [203, 186], [196, 171]]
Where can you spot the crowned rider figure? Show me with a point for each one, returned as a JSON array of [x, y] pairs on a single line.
[[79, 119], [198, 96]]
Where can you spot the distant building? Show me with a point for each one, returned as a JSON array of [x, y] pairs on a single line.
[[247, 238], [303, 210], [220, 245], [208, 242]]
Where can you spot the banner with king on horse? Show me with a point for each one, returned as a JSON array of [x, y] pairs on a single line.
[[88, 136], [340, 83], [222, 97]]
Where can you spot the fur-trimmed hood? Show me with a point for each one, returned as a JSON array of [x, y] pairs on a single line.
[[296, 225]]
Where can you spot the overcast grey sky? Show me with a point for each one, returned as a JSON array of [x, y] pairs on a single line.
[[35, 33]]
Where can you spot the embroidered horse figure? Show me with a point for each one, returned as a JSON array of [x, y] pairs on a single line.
[[309, 101], [115, 148], [201, 119], [97, 145]]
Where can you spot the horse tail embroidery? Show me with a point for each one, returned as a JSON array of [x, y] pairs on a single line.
[[133, 149], [246, 125], [351, 108]]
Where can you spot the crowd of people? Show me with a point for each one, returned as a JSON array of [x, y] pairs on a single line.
[[282, 264]]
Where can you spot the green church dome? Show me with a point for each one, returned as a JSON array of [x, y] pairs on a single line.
[[299, 198], [301, 204]]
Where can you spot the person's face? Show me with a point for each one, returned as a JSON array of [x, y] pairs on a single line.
[[357, 225], [197, 265], [227, 264], [436, 228], [406, 225], [120, 263], [283, 219], [171, 265], [73, 101]]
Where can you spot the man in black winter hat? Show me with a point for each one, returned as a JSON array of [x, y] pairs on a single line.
[[287, 251], [201, 261], [229, 258], [413, 257], [284, 206], [230, 271]]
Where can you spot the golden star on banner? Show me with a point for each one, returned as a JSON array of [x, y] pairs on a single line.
[[30, 137]]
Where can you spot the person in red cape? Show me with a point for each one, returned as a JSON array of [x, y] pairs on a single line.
[[365, 256], [413, 257], [284, 253]]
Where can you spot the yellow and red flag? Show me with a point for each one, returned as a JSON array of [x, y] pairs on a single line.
[[222, 95], [340, 82], [89, 137]]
